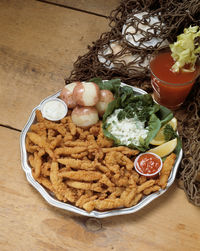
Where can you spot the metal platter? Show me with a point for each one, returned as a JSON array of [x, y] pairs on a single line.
[[54, 202]]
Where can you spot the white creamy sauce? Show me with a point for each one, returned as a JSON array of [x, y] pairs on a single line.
[[128, 130], [54, 110]]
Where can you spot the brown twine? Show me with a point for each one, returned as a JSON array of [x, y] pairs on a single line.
[[130, 63]]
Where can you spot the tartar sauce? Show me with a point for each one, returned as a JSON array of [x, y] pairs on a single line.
[[54, 109], [127, 131]]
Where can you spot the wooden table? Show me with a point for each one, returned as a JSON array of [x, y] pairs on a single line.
[[38, 44]]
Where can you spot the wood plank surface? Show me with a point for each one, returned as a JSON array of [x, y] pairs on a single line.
[[38, 45], [94, 6]]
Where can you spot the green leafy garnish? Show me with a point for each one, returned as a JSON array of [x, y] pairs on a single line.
[[111, 85], [164, 114], [143, 107], [169, 132], [185, 50]]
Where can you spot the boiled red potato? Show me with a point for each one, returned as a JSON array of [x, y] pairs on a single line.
[[67, 94], [86, 94], [83, 116], [106, 97]]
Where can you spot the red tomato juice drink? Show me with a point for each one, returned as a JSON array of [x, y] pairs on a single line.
[[169, 88]]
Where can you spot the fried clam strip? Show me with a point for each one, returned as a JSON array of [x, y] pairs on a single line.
[[69, 150], [102, 205], [39, 128], [58, 127], [150, 190], [30, 147], [71, 126], [36, 162], [95, 129], [123, 149], [102, 168], [45, 182], [102, 141], [166, 170], [84, 185], [136, 199], [145, 185], [120, 180], [77, 164], [67, 137], [115, 191], [133, 178], [84, 199], [115, 160], [45, 170], [51, 134], [41, 142], [106, 181], [61, 191], [111, 162], [81, 175], [79, 155], [128, 198], [128, 195], [124, 161], [39, 116], [56, 141], [76, 143], [81, 133]]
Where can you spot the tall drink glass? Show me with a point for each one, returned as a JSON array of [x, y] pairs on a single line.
[[170, 89]]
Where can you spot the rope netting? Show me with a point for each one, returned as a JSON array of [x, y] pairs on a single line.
[[138, 28]]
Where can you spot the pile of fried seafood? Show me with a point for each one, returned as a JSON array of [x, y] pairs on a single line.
[[83, 168]]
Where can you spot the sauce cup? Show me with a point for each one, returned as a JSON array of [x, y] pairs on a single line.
[[148, 164], [54, 109]]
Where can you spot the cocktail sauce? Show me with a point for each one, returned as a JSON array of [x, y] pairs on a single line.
[[148, 163]]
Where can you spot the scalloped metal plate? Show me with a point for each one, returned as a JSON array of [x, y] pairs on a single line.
[[54, 202]]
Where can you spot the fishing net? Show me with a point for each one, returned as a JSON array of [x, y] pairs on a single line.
[[139, 28]]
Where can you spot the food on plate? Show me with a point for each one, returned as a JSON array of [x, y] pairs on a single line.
[[165, 149], [166, 170], [54, 109], [148, 164], [165, 133], [134, 120], [105, 98], [104, 164], [87, 101], [86, 94], [67, 94], [127, 130], [82, 167], [85, 116]]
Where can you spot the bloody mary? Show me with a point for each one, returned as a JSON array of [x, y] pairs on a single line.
[[170, 88]]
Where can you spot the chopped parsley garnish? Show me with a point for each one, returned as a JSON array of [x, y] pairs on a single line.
[[169, 132]]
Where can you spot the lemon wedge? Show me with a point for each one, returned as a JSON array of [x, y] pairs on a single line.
[[165, 149], [160, 138]]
